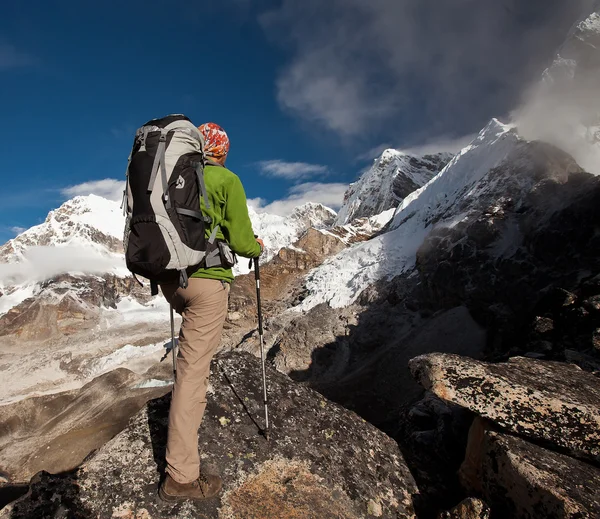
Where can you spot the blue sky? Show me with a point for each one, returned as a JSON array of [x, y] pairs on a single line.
[[308, 91]]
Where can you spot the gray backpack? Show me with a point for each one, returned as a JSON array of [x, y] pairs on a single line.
[[165, 230]]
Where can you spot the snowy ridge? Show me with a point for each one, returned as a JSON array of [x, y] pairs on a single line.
[[340, 279], [83, 237], [393, 176], [279, 232], [84, 221]]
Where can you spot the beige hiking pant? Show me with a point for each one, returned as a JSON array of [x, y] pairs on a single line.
[[203, 306]]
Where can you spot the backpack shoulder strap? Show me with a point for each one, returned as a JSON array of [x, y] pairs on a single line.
[[201, 184]]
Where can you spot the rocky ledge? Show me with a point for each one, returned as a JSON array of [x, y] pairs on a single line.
[[533, 450], [549, 401], [321, 460]]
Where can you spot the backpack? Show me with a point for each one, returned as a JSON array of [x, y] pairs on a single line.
[[165, 230]]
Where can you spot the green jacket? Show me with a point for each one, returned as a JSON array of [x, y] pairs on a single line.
[[228, 210]]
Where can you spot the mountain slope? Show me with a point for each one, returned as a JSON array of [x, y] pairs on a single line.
[[279, 232], [393, 176], [85, 221], [340, 280]]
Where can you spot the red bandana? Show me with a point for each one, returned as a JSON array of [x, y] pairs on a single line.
[[216, 142]]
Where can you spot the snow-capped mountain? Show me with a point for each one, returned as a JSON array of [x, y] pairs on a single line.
[[83, 237], [340, 279], [65, 280], [393, 176], [278, 231], [564, 108], [84, 221], [567, 105]]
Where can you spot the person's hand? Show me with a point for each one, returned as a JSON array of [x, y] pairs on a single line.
[[261, 243]]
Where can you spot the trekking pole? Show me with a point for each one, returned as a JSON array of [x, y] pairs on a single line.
[[262, 346], [173, 345]]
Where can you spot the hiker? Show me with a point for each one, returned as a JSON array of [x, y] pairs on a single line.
[[203, 306]]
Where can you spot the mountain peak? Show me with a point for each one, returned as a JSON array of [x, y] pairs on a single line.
[[393, 176], [84, 221]]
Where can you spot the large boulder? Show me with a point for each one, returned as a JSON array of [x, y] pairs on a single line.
[[321, 460], [551, 401], [522, 480]]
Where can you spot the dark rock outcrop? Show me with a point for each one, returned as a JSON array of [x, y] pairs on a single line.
[[321, 460], [549, 401], [522, 480], [527, 226]]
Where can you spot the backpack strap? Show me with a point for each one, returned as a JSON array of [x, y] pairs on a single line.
[[194, 214], [183, 278], [159, 161], [213, 254], [201, 184]]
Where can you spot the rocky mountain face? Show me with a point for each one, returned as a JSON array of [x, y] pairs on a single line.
[[393, 176]]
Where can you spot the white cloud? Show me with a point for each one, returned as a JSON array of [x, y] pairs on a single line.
[[41, 263], [109, 188], [291, 170], [256, 203], [11, 57], [429, 147], [328, 194], [412, 67], [439, 145], [374, 152], [564, 107], [18, 230]]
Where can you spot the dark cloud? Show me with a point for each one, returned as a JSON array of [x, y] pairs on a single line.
[[413, 69]]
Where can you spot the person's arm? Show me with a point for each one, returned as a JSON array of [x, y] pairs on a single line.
[[238, 227]]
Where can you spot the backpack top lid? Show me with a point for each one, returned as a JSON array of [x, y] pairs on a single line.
[[172, 122], [162, 122]]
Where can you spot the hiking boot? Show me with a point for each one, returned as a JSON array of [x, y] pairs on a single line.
[[205, 487]]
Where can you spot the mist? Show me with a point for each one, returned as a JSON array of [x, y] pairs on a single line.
[[43, 263], [413, 71], [564, 107]]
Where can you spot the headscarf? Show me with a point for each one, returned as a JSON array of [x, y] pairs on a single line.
[[216, 142]]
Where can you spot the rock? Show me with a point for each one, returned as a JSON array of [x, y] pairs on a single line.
[[586, 362], [596, 339], [522, 480], [470, 508], [593, 303], [525, 228], [543, 325], [434, 439], [321, 461], [550, 401]]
